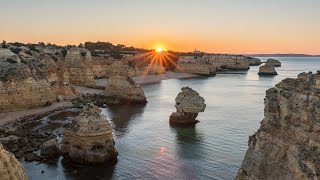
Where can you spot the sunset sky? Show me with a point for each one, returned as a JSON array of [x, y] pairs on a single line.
[[222, 26]]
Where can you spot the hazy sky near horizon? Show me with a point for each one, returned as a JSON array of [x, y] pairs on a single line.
[[225, 26]]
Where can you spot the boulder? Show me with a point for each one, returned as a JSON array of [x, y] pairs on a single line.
[[50, 148], [89, 139], [287, 145], [188, 104], [10, 167], [121, 86], [267, 70], [273, 62]]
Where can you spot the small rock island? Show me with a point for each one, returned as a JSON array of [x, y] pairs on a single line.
[[89, 139], [267, 70], [188, 104], [273, 62]]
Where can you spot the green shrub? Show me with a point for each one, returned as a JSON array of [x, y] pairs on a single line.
[[29, 53], [10, 60], [15, 50]]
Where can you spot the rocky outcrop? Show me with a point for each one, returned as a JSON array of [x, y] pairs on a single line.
[[25, 94], [254, 61], [101, 66], [10, 167], [88, 140], [267, 70], [287, 145], [221, 61], [188, 104], [50, 149], [273, 62], [121, 86], [199, 69], [80, 65]]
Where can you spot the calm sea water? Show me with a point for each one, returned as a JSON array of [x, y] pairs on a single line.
[[150, 149]]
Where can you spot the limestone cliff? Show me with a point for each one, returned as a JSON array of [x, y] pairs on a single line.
[[273, 62], [89, 139], [287, 145], [121, 86], [10, 167], [80, 65], [222, 61], [188, 104]]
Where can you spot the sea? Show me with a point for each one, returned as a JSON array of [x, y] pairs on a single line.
[[149, 148]]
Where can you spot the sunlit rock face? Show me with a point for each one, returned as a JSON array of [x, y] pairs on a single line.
[[188, 104], [89, 139], [121, 86], [221, 61], [80, 65], [287, 145], [273, 62], [267, 70], [10, 167]]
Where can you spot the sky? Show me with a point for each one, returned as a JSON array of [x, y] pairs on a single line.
[[219, 26]]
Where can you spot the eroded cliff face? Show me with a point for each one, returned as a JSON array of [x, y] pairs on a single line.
[[80, 65], [10, 167], [221, 61], [89, 139], [121, 86], [287, 145]]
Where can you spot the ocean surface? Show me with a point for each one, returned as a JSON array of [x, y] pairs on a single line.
[[150, 149]]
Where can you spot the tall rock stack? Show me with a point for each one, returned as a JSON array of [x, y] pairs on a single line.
[[89, 139], [121, 86], [10, 167], [287, 145], [80, 65], [188, 104]]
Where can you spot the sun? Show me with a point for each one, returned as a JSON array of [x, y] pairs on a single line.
[[159, 50]]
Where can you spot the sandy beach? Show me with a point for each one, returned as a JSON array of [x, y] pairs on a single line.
[[12, 116]]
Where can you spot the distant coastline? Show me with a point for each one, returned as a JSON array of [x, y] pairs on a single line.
[[280, 55]]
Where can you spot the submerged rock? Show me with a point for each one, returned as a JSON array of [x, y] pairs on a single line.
[[188, 104], [287, 145], [89, 140], [10, 167], [267, 70], [123, 87], [273, 62]]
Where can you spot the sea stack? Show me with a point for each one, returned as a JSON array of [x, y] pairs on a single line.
[[267, 70], [89, 139], [188, 104], [122, 87], [287, 145], [10, 167], [273, 62]]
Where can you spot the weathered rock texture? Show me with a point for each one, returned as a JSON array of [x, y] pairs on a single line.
[[195, 65], [221, 61], [89, 140], [188, 104], [287, 145], [121, 86], [80, 65], [273, 62], [10, 167], [267, 70]]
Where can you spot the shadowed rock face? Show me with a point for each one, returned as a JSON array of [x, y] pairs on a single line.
[[287, 145], [10, 167], [267, 70], [89, 139], [188, 104], [121, 86]]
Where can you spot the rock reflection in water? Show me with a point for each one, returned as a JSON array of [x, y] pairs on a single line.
[[120, 116]]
